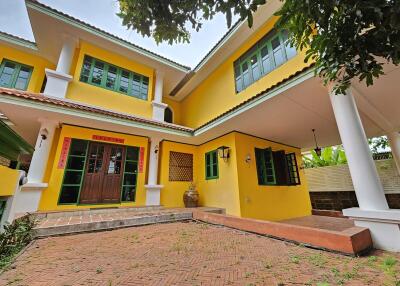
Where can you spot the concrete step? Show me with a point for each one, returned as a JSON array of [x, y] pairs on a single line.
[[78, 222], [93, 211]]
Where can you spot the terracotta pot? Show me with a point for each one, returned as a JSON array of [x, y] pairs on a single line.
[[191, 198]]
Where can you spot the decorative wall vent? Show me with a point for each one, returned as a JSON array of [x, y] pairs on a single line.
[[180, 166]]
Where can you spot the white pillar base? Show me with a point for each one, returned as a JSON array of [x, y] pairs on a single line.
[[384, 226], [28, 198], [57, 83], [159, 110], [153, 194]]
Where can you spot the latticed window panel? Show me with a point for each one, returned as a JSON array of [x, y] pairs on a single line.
[[180, 166]]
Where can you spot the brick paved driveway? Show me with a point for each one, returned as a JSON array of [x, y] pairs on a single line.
[[190, 254]]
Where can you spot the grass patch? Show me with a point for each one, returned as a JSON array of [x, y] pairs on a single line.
[[15, 237]]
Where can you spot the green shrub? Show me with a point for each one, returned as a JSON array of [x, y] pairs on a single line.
[[15, 237]]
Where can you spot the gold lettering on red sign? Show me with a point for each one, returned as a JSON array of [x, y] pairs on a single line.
[[64, 153], [141, 159], [108, 139]]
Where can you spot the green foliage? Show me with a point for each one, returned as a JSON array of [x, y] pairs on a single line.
[[378, 143], [15, 237], [346, 38], [330, 156], [168, 20]]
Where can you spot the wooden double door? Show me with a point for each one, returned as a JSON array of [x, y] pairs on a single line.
[[103, 174]]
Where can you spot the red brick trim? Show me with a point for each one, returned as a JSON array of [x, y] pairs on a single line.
[[352, 241]]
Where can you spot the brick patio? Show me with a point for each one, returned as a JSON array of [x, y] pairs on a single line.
[[188, 254]]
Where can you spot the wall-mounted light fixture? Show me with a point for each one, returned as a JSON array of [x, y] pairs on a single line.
[[317, 149], [248, 158], [223, 152]]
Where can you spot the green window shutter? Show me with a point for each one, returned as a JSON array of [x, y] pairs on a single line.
[[281, 169], [293, 170], [14, 75], [269, 167], [266, 55], [3, 204], [74, 172], [108, 76], [211, 160], [260, 164]]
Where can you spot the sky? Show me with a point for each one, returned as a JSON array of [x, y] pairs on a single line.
[[102, 14]]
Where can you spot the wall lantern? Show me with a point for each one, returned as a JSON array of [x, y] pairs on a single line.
[[317, 149], [223, 152]]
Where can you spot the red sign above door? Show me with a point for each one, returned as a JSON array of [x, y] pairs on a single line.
[[108, 139], [64, 153]]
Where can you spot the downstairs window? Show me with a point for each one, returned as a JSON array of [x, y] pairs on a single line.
[[276, 168]]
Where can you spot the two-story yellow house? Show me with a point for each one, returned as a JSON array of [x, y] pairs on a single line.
[[116, 125]]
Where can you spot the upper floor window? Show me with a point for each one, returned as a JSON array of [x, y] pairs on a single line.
[[114, 78], [266, 55], [14, 75], [168, 115]]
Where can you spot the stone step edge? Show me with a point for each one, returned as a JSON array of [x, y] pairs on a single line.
[[110, 225], [64, 213]]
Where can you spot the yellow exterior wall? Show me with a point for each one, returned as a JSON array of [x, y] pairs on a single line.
[[216, 94], [105, 98], [8, 181], [222, 192], [38, 64], [50, 195], [236, 189], [172, 192], [268, 202]]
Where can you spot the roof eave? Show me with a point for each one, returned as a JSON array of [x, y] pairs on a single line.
[[14, 40], [39, 7]]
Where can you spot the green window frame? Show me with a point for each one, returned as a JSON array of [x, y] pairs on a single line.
[[15, 75], [272, 51], [129, 179], [211, 162], [74, 172], [293, 170], [114, 78], [265, 166], [276, 168]]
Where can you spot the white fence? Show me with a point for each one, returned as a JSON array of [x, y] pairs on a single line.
[[337, 178]]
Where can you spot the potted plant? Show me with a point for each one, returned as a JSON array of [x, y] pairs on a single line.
[[191, 196]]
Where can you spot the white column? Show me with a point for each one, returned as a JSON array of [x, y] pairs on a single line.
[[57, 81], [29, 197], [158, 106], [374, 212], [153, 189], [66, 55], [40, 156], [394, 143], [363, 172]]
